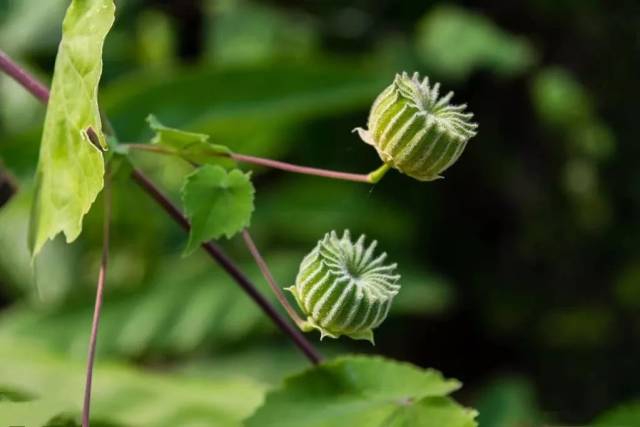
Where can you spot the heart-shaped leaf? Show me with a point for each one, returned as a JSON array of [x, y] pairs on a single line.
[[218, 203]]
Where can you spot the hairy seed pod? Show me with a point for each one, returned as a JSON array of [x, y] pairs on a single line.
[[414, 130], [343, 288]]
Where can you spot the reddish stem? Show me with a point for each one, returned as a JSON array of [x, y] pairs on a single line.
[[303, 344], [264, 268], [345, 176], [102, 276], [216, 253], [27, 81]]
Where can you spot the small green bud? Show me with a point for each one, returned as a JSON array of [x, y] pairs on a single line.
[[416, 132], [343, 288]]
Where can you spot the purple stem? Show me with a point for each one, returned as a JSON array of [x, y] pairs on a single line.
[[216, 253], [102, 276], [27, 81], [41, 92]]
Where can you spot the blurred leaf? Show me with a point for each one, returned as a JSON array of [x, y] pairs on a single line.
[[156, 39], [244, 32], [70, 169], [248, 109], [559, 99], [422, 293], [363, 391], [508, 402], [326, 205], [27, 26], [15, 263], [124, 395], [187, 305], [217, 203], [627, 286], [193, 147], [454, 42], [29, 414], [626, 415], [564, 104]]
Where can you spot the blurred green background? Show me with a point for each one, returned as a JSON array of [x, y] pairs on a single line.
[[521, 269]]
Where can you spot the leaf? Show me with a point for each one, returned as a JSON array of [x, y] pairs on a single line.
[[508, 402], [217, 203], [191, 146], [363, 391], [625, 415], [249, 109], [35, 413], [454, 42], [123, 394], [70, 169]]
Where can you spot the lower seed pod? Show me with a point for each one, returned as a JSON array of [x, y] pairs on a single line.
[[416, 131], [343, 288]]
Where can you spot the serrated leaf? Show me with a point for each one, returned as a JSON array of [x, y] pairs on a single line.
[[363, 391], [218, 203], [191, 146], [70, 168]]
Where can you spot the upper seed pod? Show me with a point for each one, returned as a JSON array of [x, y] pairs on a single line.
[[414, 131], [343, 289]]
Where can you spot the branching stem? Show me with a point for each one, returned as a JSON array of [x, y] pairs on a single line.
[[216, 253], [264, 269], [370, 178], [41, 92]]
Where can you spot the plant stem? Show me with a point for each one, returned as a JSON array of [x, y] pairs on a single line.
[[296, 336], [102, 276], [27, 81], [264, 268], [370, 178], [216, 253], [305, 170]]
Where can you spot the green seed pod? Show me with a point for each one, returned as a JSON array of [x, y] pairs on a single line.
[[343, 288], [416, 132]]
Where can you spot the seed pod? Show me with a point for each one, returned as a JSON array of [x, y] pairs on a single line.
[[416, 132], [343, 288]]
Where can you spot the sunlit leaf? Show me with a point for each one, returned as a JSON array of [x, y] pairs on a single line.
[[363, 391], [123, 395], [191, 146], [35, 413], [218, 203], [70, 169]]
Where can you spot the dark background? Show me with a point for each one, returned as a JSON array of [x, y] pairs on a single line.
[[522, 265]]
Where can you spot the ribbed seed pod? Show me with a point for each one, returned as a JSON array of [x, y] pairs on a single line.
[[343, 288], [416, 132]]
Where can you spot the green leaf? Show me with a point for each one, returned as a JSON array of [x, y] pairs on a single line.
[[454, 42], [191, 146], [508, 402], [363, 391], [122, 394], [70, 169], [35, 413], [626, 415], [217, 203], [253, 109]]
